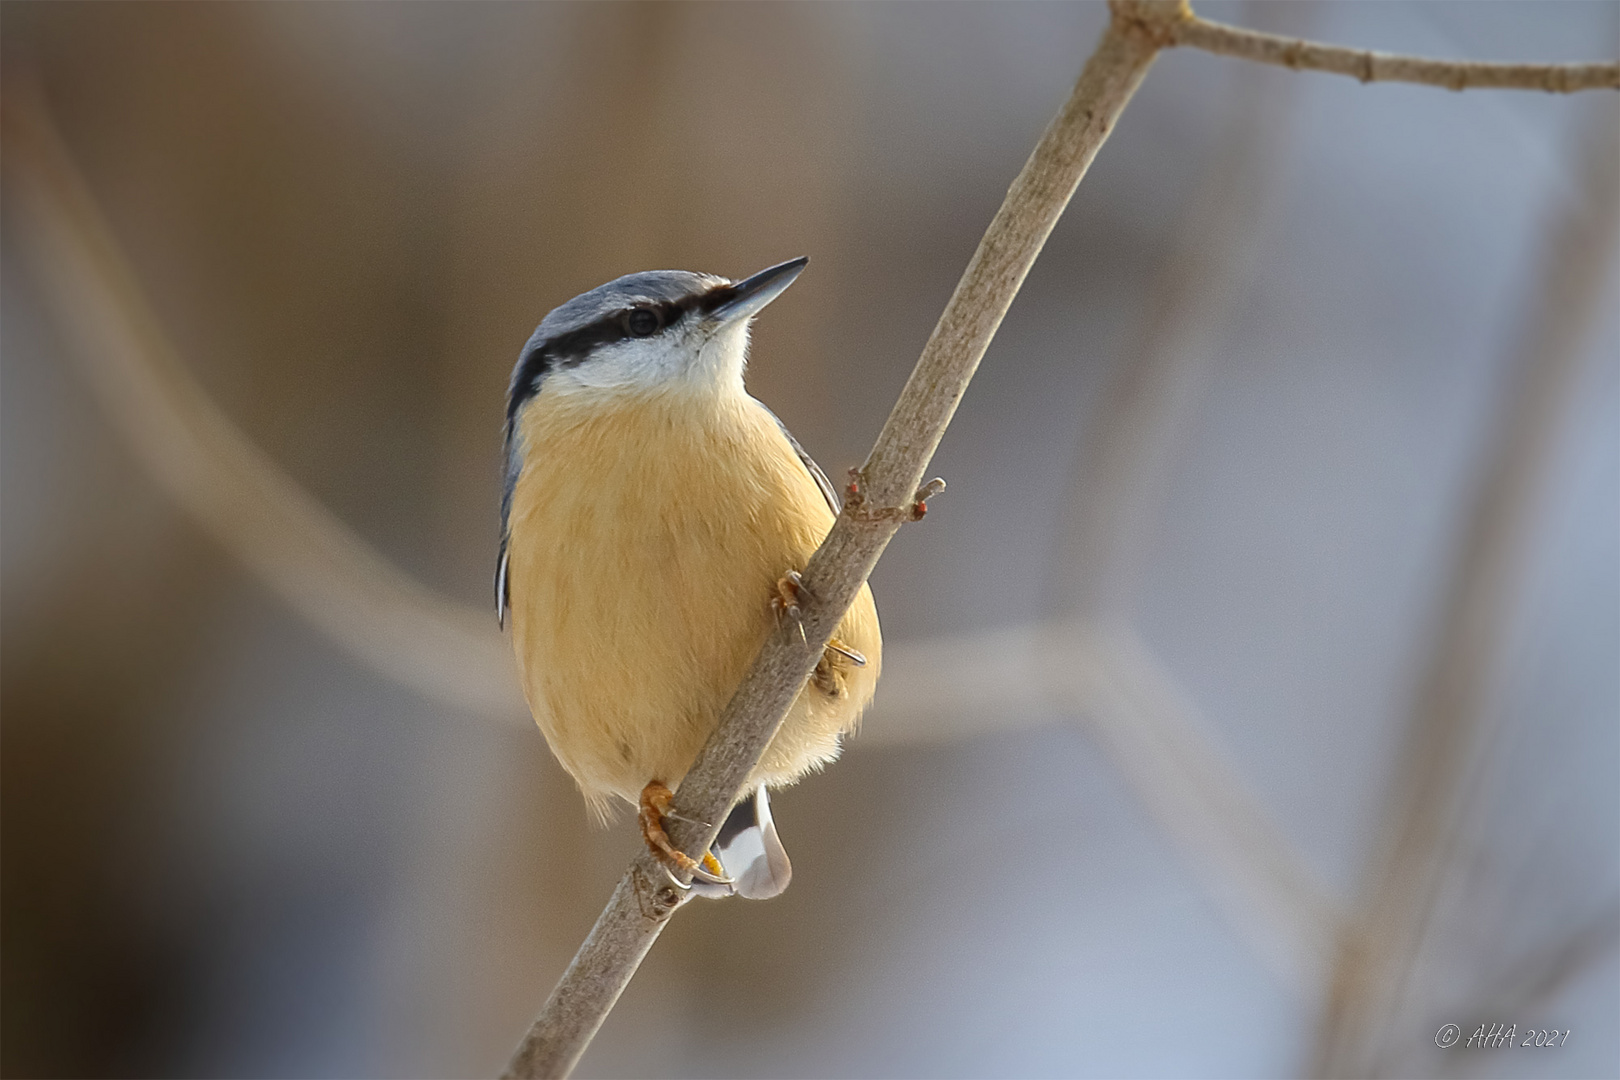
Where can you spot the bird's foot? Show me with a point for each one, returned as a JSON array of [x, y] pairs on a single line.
[[854, 656], [829, 676], [790, 590], [655, 799]]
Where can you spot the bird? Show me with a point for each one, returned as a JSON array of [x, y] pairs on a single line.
[[654, 520]]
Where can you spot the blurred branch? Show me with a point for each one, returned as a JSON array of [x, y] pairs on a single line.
[[885, 494], [444, 650], [1131, 706], [1549, 972], [1452, 723], [1154, 735], [1101, 677], [449, 652], [1119, 479], [1531, 986], [1369, 66]]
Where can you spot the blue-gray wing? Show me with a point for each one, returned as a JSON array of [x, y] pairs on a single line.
[[829, 492], [509, 479]]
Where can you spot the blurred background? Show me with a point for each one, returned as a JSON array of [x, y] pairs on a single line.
[[1251, 705]]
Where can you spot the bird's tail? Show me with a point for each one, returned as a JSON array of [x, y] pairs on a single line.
[[750, 851]]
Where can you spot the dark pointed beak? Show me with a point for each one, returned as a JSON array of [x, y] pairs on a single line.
[[745, 298]]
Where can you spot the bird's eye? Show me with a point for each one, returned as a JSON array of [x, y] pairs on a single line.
[[642, 322]]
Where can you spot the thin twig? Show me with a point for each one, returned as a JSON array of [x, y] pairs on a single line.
[[885, 490], [1451, 727], [447, 651], [1369, 66], [1095, 671], [365, 603]]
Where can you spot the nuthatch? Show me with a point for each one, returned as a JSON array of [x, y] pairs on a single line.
[[653, 522]]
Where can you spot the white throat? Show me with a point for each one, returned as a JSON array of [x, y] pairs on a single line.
[[700, 359]]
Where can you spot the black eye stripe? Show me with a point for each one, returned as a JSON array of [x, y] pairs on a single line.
[[573, 348], [566, 350]]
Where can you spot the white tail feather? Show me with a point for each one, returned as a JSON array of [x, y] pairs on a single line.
[[751, 852]]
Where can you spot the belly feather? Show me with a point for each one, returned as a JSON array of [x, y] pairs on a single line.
[[645, 545]]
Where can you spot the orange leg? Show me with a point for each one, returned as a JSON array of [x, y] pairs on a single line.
[[655, 799], [654, 805]]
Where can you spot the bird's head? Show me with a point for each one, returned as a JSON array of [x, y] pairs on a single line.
[[653, 330]]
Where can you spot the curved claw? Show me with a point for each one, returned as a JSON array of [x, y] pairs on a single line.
[[854, 656], [655, 799], [700, 874], [688, 820], [788, 588]]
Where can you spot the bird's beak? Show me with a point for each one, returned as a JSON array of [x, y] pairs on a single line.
[[745, 298]]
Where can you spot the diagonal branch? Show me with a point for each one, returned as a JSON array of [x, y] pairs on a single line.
[[883, 496], [1370, 66]]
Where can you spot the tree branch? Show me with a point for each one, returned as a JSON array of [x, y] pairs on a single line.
[[1542, 978], [1122, 469], [1454, 726], [351, 592], [1101, 677], [881, 498], [447, 651], [1369, 66]]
